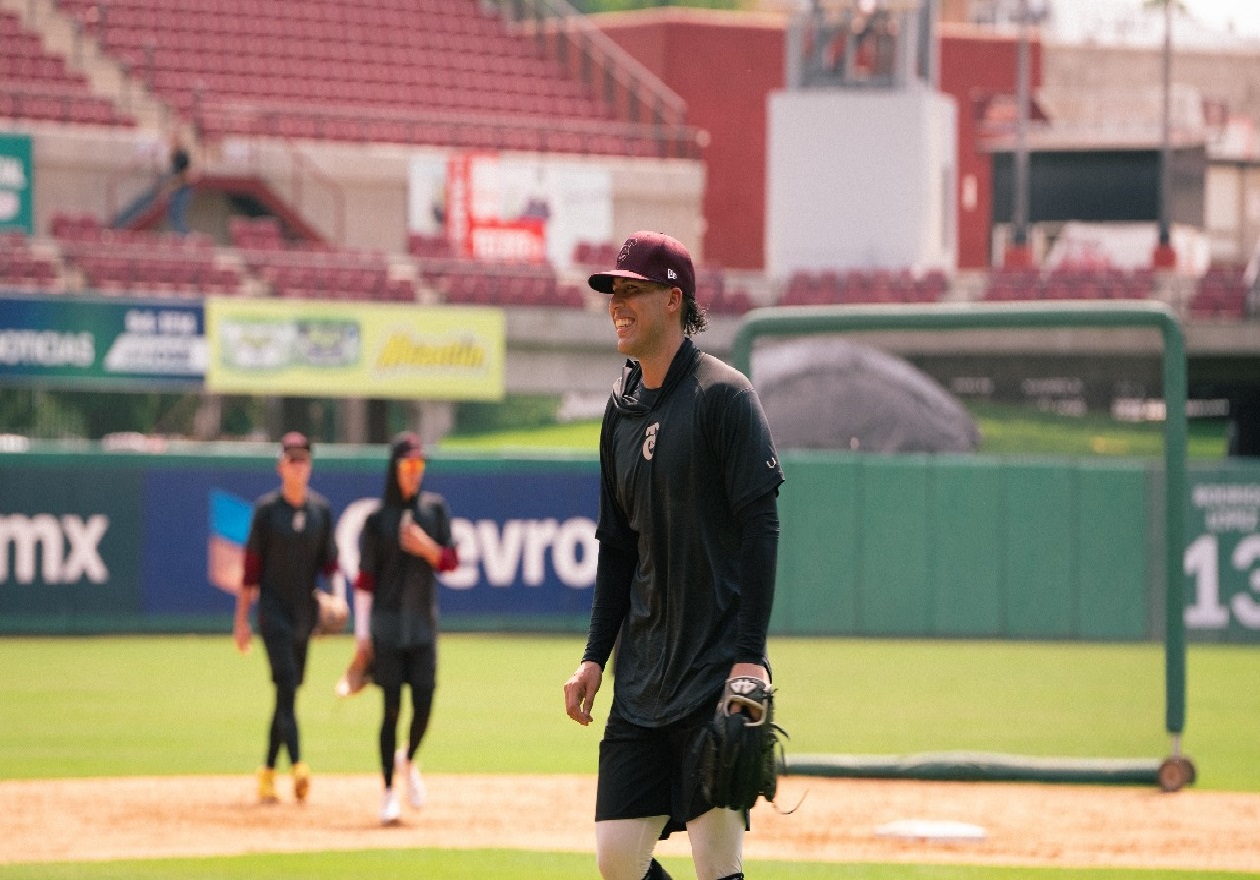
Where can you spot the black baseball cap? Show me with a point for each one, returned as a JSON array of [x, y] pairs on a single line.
[[651, 256], [407, 445], [294, 440]]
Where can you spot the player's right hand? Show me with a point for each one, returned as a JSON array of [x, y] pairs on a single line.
[[242, 635], [580, 690]]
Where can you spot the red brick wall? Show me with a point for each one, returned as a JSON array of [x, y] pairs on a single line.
[[724, 66], [974, 65]]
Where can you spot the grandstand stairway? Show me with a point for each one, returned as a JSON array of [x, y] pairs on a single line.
[[66, 76], [148, 211]]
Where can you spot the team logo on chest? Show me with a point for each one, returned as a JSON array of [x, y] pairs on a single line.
[[649, 443], [299, 520]]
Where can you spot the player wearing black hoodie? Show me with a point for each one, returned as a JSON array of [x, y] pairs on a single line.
[[688, 536]]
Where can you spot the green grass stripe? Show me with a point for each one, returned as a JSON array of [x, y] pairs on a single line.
[[129, 706], [481, 864]]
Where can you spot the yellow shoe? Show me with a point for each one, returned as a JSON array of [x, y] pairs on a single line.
[[301, 781], [267, 785]]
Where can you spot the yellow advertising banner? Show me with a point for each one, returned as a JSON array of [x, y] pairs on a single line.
[[326, 349]]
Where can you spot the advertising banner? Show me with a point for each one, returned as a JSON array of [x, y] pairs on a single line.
[[525, 535], [95, 542], [70, 550], [156, 543], [1222, 561], [17, 183], [80, 343], [513, 208], [354, 350]]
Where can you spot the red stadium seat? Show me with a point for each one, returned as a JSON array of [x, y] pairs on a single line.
[[365, 61]]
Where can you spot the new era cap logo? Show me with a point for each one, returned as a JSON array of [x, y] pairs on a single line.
[[671, 274]]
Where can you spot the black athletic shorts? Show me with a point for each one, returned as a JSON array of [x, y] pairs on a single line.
[[285, 651], [394, 667], [652, 771]]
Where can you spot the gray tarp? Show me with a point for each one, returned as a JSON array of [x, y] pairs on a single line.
[[830, 393]]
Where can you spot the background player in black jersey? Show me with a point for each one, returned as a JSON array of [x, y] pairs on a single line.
[[688, 538], [291, 541], [403, 545]]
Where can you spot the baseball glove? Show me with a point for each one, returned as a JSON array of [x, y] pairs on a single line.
[[334, 613], [739, 763]]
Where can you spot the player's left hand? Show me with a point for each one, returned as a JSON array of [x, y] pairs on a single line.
[[242, 635]]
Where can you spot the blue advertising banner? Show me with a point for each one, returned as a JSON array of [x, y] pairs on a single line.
[[82, 343], [526, 536], [156, 543], [125, 542], [69, 550]]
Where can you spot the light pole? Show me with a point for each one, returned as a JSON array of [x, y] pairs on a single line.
[[1018, 253], [1165, 257]]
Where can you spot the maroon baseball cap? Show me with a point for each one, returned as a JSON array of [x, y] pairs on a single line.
[[651, 256], [294, 440]]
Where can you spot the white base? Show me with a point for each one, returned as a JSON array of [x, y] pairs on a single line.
[[931, 829]]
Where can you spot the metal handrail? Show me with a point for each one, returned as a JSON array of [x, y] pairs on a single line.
[[67, 97], [627, 70], [676, 141]]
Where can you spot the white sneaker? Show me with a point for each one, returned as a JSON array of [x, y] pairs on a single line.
[[415, 787], [390, 810], [404, 769]]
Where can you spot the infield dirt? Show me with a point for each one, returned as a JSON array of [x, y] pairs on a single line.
[[1065, 826], [1060, 826]]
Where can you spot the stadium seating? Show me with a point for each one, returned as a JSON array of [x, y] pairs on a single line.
[[117, 261], [429, 247], [470, 282], [442, 72], [717, 298], [36, 85], [261, 262], [256, 234], [862, 287], [1015, 285], [312, 273], [1220, 293], [22, 268], [595, 255]]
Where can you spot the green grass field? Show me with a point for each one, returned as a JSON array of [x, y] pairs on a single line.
[[178, 705], [1006, 430], [483, 864], [139, 704], [189, 705], [1015, 430]]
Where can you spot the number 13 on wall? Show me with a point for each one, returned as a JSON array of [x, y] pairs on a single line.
[[1203, 563]]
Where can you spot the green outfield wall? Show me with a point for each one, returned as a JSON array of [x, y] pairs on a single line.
[[967, 547], [987, 547], [962, 546]]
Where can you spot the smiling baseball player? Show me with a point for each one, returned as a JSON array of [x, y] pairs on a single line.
[[688, 536]]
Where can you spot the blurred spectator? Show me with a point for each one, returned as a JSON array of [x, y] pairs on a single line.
[[180, 187]]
